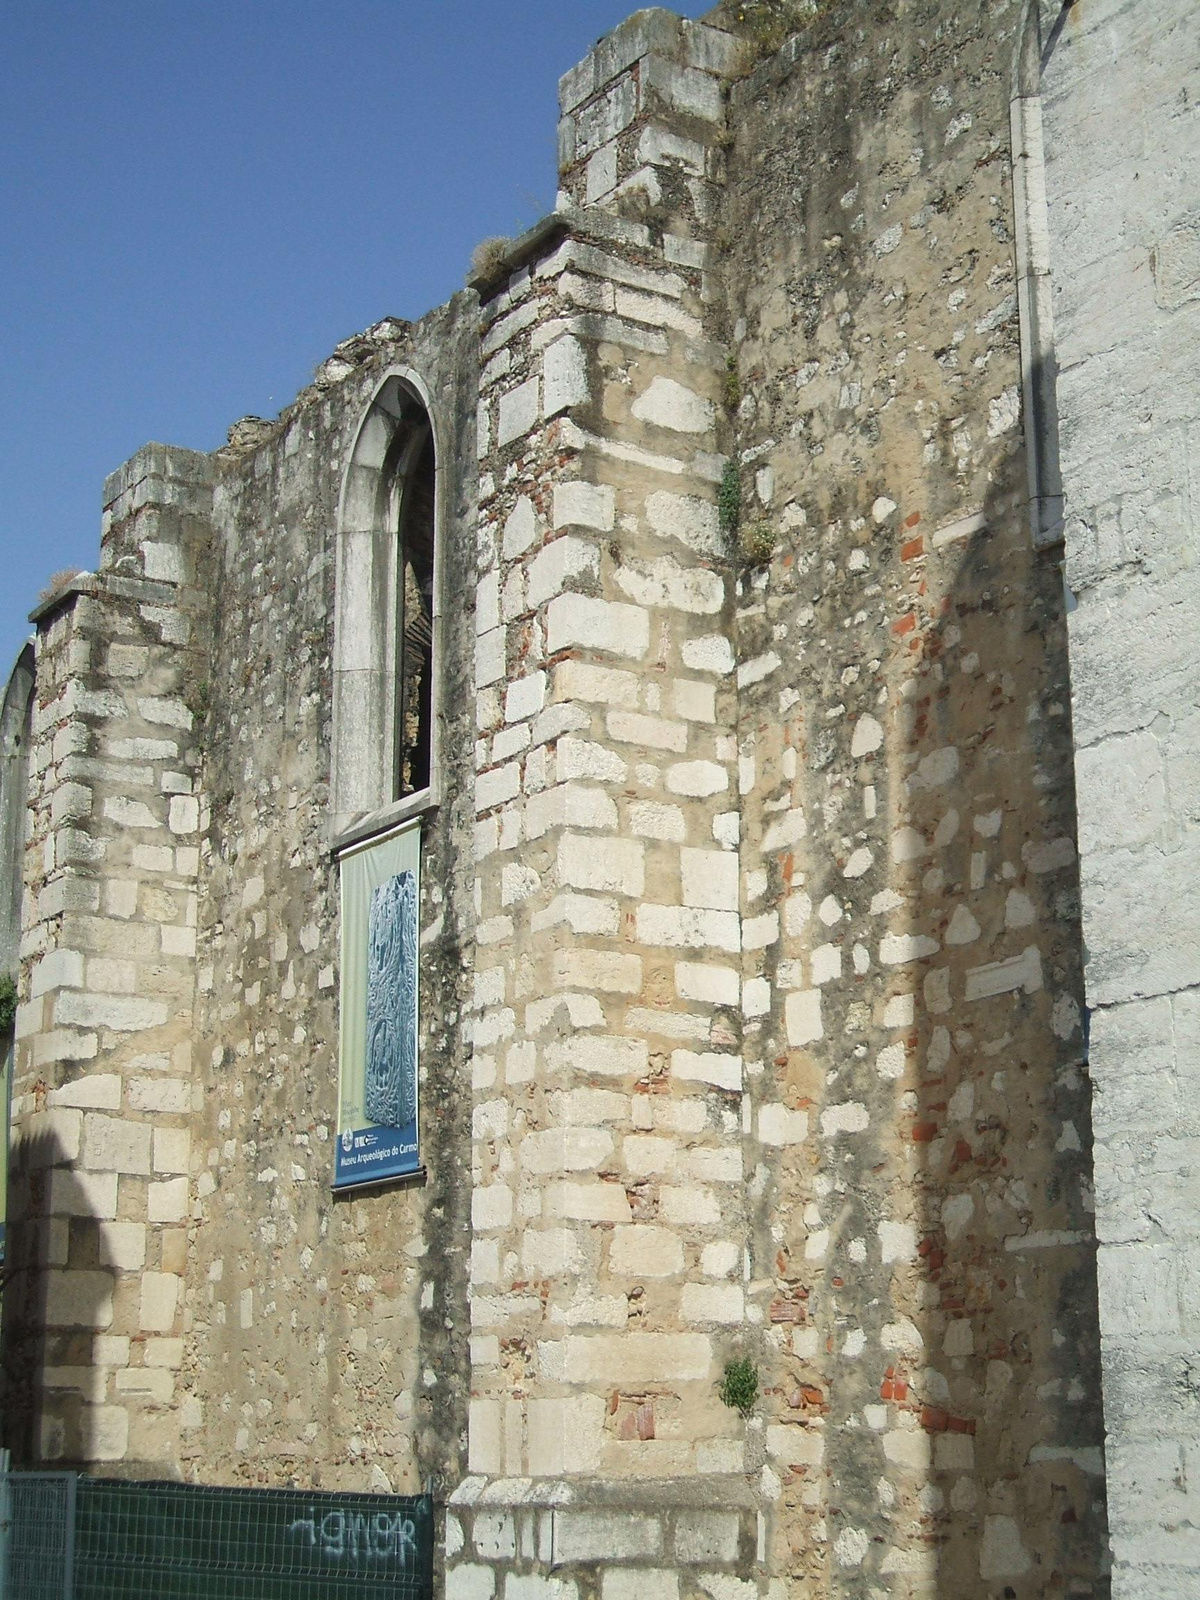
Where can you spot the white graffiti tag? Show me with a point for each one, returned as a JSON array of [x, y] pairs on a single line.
[[376, 1537]]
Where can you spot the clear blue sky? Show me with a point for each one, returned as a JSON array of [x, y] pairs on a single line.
[[199, 198]]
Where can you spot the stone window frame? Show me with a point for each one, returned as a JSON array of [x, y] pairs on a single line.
[[1034, 286], [16, 737], [365, 633]]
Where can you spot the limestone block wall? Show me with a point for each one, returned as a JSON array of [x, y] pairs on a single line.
[[104, 1093], [1122, 145], [923, 1256], [189, 1297], [641, 118], [16, 733], [609, 1209], [605, 768]]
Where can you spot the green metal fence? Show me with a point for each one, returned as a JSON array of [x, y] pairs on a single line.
[[98, 1539], [37, 1534]]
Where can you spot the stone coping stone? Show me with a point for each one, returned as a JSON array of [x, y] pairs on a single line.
[[718, 1490], [171, 462], [145, 591]]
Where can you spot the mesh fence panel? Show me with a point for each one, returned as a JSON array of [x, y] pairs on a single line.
[[164, 1541], [98, 1539], [39, 1508]]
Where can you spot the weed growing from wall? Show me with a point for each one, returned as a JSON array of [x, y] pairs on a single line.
[[733, 385], [489, 257], [57, 582], [8, 1002], [757, 543], [729, 500], [767, 24], [738, 1389], [197, 700]]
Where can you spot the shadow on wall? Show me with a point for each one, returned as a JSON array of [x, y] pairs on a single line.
[[60, 1288], [996, 1117], [937, 1401], [950, 1241]]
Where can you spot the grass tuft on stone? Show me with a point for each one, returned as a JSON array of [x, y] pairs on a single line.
[[58, 580], [489, 256]]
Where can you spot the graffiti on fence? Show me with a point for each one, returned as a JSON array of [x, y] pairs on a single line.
[[377, 1536]]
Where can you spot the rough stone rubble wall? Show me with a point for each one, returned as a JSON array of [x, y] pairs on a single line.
[[911, 984], [1123, 147], [104, 1092], [326, 1337]]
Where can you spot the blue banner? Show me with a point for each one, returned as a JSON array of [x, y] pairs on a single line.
[[378, 1134]]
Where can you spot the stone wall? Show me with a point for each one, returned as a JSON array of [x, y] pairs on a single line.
[[326, 1336], [189, 1296], [923, 1264], [752, 1002], [103, 1091], [16, 734], [898, 1011], [1122, 147], [609, 1213]]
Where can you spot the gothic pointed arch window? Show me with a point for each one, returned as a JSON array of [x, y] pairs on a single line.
[[385, 700], [384, 775]]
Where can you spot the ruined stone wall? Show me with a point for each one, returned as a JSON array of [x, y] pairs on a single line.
[[103, 1090], [16, 731], [923, 1258], [751, 993], [1119, 93], [325, 1337], [188, 1296]]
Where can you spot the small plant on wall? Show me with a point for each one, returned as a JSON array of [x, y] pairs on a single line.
[[757, 543], [733, 385], [490, 257], [58, 581], [738, 1388], [729, 500], [8, 1002], [768, 23]]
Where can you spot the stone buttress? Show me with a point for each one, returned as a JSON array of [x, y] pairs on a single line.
[[609, 1213], [103, 1094]]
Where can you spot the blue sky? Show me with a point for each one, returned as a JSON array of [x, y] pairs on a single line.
[[199, 198]]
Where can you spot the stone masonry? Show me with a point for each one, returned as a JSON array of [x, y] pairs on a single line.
[[752, 974], [105, 1094], [1122, 145]]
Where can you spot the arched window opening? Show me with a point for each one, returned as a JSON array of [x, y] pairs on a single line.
[[16, 731], [385, 695], [414, 617], [384, 770]]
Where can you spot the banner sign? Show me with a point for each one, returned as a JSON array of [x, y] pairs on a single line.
[[377, 1099]]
